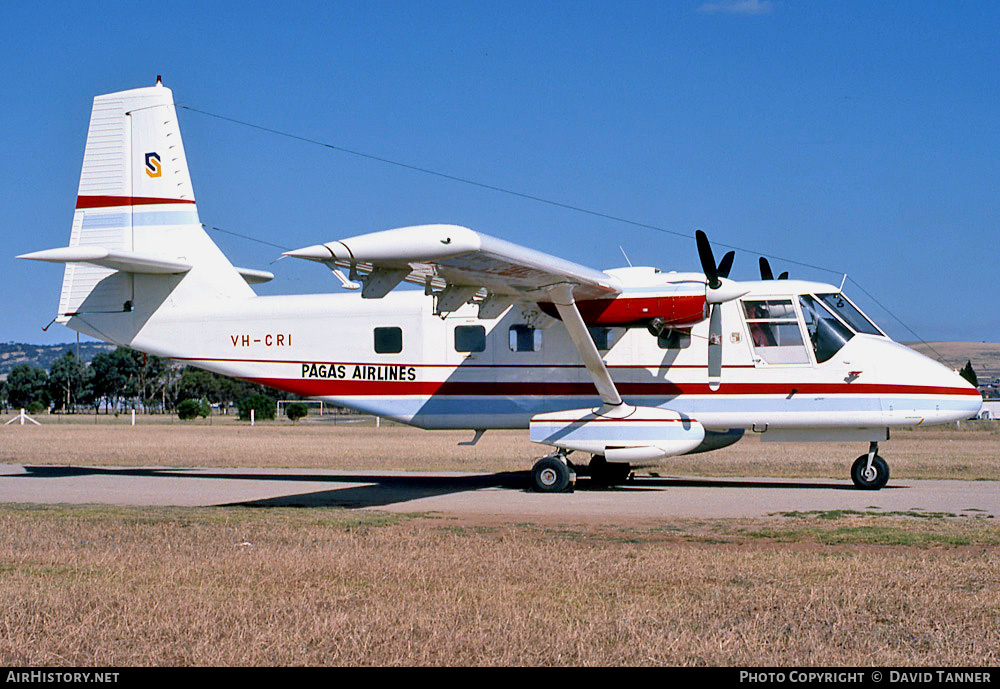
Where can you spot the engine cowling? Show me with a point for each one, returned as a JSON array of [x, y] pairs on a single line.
[[638, 310]]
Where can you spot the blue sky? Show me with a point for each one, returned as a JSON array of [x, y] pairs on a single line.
[[860, 137]]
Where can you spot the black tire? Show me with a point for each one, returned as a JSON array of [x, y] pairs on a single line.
[[551, 475], [605, 473], [878, 477]]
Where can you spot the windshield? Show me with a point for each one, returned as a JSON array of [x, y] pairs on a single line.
[[840, 305], [827, 334]]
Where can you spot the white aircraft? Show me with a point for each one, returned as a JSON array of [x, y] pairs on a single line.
[[631, 365]]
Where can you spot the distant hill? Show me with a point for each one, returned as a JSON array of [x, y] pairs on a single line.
[[985, 356], [42, 356]]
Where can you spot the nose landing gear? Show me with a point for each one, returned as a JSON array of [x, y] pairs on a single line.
[[870, 471]]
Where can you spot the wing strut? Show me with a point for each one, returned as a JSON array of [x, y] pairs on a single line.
[[562, 297]]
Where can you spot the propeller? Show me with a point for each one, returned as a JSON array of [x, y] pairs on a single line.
[[766, 273], [716, 292], [726, 264], [765, 269], [713, 271]]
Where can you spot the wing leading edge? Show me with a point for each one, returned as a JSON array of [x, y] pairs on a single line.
[[459, 264]]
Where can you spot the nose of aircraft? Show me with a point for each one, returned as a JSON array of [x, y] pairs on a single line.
[[919, 390]]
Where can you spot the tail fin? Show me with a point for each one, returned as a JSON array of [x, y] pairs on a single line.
[[136, 208]]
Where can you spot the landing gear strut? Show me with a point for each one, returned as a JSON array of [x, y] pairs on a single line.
[[870, 472], [553, 474]]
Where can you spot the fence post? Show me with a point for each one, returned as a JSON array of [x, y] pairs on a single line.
[[21, 418]]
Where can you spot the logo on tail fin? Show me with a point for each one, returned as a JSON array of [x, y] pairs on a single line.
[[153, 168]]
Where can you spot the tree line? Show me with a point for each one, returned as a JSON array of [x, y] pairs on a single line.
[[123, 380]]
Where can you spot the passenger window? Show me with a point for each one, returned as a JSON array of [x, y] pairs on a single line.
[[774, 331], [388, 340], [673, 339], [524, 338], [470, 338]]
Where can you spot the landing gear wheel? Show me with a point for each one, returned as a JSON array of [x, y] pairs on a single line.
[[552, 475], [870, 479], [605, 473]]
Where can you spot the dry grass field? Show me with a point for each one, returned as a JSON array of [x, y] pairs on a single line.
[[93, 585], [243, 586]]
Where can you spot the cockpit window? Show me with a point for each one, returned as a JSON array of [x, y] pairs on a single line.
[[839, 305], [774, 330], [827, 334]]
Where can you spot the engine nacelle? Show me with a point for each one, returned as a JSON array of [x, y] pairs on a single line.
[[630, 435], [632, 310]]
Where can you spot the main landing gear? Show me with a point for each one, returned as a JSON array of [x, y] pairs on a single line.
[[870, 472], [553, 474], [556, 474]]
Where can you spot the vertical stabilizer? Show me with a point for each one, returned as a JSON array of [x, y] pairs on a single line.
[[135, 195]]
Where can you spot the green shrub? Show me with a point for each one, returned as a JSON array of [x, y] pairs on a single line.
[[296, 410], [262, 405], [189, 409]]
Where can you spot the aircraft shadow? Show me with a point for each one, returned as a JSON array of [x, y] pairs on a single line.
[[381, 490]]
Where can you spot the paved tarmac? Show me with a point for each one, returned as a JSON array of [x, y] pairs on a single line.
[[503, 495]]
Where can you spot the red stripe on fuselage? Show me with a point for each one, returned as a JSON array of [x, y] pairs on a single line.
[[311, 387], [114, 201]]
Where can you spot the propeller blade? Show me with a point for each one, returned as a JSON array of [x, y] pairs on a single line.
[[715, 348], [726, 264], [783, 276], [765, 269], [707, 259]]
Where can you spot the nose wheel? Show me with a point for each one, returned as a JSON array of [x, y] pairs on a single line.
[[870, 471]]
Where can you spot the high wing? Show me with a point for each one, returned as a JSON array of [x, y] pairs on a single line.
[[458, 264], [465, 265]]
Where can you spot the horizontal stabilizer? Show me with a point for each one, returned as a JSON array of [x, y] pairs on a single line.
[[115, 259]]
